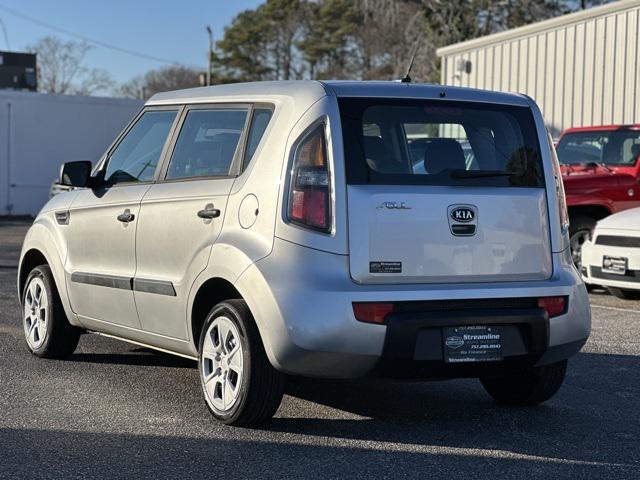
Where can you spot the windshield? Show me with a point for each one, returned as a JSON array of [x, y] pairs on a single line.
[[611, 147], [438, 142]]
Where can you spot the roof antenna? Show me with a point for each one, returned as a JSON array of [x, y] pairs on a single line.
[[407, 78]]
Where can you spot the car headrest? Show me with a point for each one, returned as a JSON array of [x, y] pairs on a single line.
[[443, 153], [378, 158], [611, 152], [375, 152]]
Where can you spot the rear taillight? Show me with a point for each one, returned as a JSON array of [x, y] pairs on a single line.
[[554, 306], [372, 312], [562, 199], [310, 190]]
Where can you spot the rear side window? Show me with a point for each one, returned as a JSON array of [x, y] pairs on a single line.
[[418, 142], [259, 121], [136, 157], [207, 143]]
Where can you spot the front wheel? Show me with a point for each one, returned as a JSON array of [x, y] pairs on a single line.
[[579, 230], [46, 328], [239, 384], [529, 387]]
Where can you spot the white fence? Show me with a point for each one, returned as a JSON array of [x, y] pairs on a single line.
[[39, 132]]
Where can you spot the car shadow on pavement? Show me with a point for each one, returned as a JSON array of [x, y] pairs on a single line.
[[67, 454], [592, 419], [136, 356]]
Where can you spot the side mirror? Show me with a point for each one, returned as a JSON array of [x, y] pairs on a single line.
[[75, 174]]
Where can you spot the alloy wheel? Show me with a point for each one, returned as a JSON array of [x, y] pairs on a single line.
[[36, 307], [576, 241], [222, 364]]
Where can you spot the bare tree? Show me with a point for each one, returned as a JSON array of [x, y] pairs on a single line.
[[61, 69], [173, 77], [386, 38]]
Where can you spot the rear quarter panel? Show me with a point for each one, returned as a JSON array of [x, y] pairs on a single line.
[[323, 111]]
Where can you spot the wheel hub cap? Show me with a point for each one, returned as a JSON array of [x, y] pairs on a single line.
[[36, 305], [576, 241], [222, 364]]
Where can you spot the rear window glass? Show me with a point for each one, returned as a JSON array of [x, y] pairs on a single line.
[[612, 147], [416, 142]]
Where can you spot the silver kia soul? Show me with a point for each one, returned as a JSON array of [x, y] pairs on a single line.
[[324, 229]]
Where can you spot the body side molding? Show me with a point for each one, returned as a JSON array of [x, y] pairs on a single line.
[[159, 287]]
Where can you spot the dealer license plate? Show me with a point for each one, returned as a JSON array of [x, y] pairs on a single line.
[[472, 344], [615, 265]]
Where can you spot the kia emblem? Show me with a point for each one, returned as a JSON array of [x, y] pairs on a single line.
[[462, 214]]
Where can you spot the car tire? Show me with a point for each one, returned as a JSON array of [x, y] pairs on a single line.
[[239, 384], [47, 330], [529, 387], [624, 293], [579, 230]]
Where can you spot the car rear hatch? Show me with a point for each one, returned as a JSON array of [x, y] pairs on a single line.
[[443, 191]]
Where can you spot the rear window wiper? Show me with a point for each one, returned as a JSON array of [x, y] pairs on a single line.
[[480, 173]]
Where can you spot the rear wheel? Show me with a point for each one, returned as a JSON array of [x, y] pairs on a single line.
[[579, 231], [529, 387], [624, 293], [239, 384], [46, 328]]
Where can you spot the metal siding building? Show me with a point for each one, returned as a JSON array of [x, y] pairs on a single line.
[[582, 68], [39, 132]]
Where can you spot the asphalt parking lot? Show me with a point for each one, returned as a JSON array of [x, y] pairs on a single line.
[[114, 410]]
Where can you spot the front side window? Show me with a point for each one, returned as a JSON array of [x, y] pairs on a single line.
[[207, 143], [425, 142], [611, 147], [136, 157]]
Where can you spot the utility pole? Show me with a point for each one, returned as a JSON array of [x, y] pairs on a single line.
[[210, 32], [6, 36]]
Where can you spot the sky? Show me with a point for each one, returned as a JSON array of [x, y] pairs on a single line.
[[168, 29]]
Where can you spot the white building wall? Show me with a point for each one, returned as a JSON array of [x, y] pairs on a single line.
[[39, 132], [582, 69]]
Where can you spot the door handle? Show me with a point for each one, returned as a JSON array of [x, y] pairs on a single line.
[[126, 216], [209, 212]]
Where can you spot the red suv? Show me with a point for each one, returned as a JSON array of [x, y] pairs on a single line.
[[601, 173]]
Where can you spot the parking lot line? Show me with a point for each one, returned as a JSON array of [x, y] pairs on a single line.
[[618, 309]]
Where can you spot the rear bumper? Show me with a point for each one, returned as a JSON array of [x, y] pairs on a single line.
[[302, 300], [414, 342]]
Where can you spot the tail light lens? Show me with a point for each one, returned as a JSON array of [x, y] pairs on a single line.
[[562, 199], [372, 312], [554, 306], [310, 190]]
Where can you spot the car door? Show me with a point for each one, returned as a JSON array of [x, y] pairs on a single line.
[[182, 214], [101, 223]]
